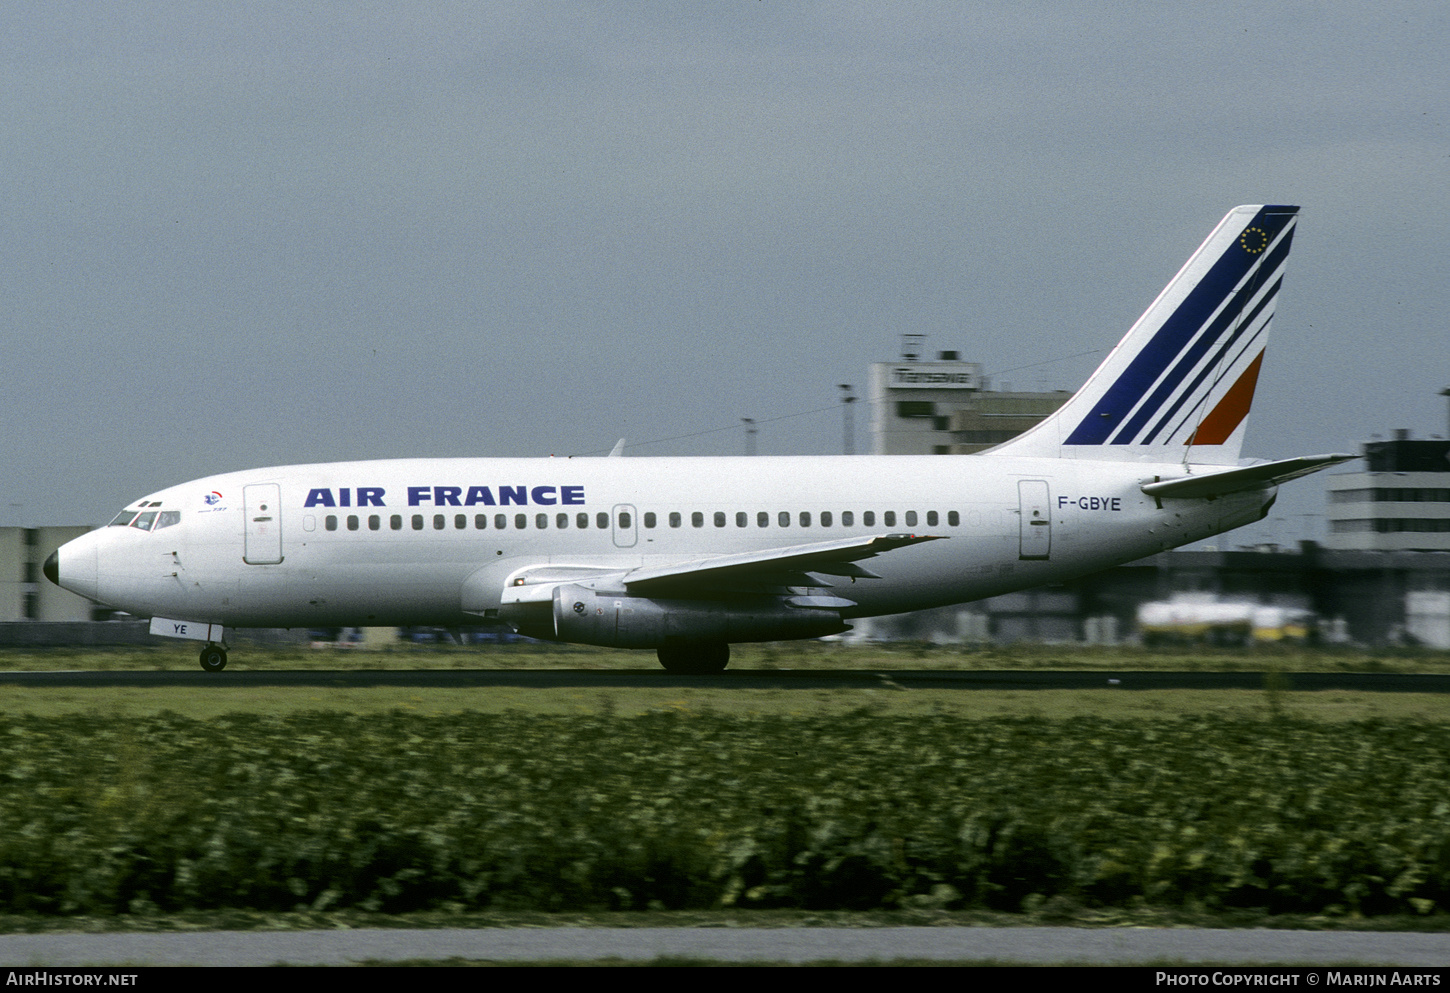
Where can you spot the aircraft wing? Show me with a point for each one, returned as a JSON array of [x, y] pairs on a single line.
[[774, 566], [741, 572], [1214, 484]]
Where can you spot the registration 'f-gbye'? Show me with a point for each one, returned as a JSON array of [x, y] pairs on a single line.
[[686, 555]]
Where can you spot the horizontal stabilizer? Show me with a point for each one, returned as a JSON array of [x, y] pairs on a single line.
[[1245, 478]]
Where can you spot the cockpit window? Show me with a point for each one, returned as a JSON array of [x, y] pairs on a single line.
[[167, 518], [122, 519], [143, 521]]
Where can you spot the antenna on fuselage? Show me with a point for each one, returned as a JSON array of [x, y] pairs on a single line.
[[617, 450]]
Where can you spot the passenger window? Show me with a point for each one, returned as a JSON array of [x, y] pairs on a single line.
[[330, 522], [561, 521], [762, 519], [931, 518], [649, 519], [396, 522], [674, 518], [417, 522], [869, 518], [784, 519], [624, 520], [144, 521], [480, 522], [500, 521], [847, 518], [911, 518], [352, 522], [438, 522], [719, 518], [697, 520], [601, 521], [374, 522], [954, 518], [541, 521], [460, 521], [167, 518], [825, 518], [521, 521], [742, 519], [805, 518], [889, 518], [581, 520]]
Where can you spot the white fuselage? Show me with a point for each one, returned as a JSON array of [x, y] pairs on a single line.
[[437, 541]]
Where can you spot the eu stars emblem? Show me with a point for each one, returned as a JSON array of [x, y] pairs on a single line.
[[1254, 240]]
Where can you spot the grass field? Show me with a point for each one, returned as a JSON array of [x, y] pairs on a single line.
[[769, 655], [208, 806]]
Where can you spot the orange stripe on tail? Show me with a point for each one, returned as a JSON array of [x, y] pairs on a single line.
[[1231, 410]]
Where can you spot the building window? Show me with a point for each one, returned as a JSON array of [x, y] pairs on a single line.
[[915, 408]]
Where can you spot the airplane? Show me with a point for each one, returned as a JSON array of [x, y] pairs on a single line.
[[689, 555]]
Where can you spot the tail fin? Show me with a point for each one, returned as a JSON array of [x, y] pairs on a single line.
[[1178, 387]]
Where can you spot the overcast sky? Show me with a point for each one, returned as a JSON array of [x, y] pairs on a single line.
[[250, 233]]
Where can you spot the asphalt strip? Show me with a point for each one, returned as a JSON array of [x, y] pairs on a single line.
[[1025, 946]]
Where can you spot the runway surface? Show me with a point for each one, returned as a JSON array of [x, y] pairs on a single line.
[[1019, 946], [778, 679]]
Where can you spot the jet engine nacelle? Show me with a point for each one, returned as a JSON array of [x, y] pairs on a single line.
[[586, 617]]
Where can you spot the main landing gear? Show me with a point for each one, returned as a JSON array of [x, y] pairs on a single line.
[[694, 660], [213, 658]]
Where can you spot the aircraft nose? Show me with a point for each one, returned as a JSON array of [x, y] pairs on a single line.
[[52, 568]]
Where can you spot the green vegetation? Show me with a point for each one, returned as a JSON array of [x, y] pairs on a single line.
[[517, 811], [769, 655]]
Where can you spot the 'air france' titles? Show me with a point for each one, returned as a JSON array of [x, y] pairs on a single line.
[[450, 496]]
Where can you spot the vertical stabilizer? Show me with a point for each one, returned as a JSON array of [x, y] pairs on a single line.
[[1178, 387]]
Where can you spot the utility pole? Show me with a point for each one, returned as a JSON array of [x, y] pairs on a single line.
[[848, 430], [750, 430]]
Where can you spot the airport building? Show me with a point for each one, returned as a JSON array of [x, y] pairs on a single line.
[[943, 406], [25, 594], [1399, 503]]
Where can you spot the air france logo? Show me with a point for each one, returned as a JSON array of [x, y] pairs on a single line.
[[450, 496], [213, 498]]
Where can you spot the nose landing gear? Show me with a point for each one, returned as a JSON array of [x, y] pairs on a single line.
[[213, 658]]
